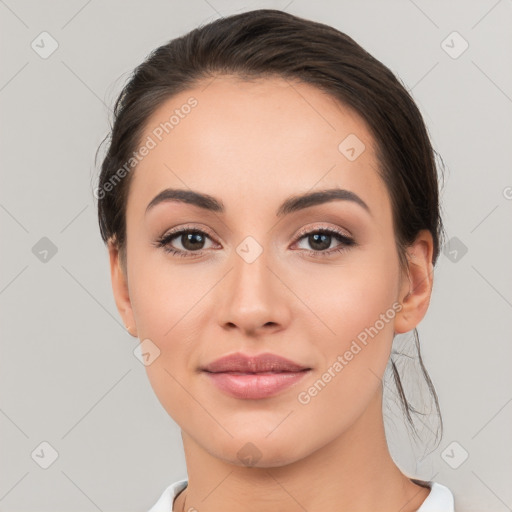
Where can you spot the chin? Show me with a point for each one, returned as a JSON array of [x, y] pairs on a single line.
[[261, 452]]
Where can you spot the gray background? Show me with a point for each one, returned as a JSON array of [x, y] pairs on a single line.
[[68, 374]]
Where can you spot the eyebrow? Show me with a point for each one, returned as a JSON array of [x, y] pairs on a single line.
[[292, 204]]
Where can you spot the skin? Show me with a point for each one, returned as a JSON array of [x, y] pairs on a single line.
[[252, 145]]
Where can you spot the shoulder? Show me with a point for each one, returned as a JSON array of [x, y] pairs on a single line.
[[440, 499], [166, 500]]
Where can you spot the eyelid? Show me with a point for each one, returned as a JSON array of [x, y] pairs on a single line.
[[322, 227], [303, 231], [189, 227]]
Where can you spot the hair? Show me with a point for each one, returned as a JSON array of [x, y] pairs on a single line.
[[269, 43]]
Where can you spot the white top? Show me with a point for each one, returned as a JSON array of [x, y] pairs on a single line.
[[440, 498]]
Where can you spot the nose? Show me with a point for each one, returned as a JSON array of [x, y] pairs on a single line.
[[253, 297]]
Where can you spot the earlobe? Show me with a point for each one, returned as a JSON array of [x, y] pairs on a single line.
[[417, 283], [120, 289]]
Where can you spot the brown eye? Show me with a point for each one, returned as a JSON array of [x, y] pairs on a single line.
[[320, 241], [191, 241]]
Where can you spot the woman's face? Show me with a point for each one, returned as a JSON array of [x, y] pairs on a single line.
[[255, 281]]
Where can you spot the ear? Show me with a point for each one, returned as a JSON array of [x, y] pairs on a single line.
[[417, 281], [119, 279]]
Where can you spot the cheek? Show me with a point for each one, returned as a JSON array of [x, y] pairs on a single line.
[[164, 294], [350, 297], [355, 307], [170, 304]]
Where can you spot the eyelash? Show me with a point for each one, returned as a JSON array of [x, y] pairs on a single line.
[[164, 242]]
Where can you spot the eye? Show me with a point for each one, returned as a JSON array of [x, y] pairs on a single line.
[[320, 240], [192, 242]]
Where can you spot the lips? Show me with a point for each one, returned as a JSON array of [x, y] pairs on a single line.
[[254, 377], [262, 363]]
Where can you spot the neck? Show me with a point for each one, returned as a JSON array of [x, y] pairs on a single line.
[[353, 472]]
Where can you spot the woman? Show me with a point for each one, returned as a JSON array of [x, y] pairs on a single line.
[[270, 203]]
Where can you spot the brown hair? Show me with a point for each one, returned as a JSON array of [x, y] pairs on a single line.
[[271, 43]]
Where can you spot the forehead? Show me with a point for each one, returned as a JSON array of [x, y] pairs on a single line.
[[256, 139]]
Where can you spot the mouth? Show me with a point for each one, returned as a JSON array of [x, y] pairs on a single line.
[[254, 377]]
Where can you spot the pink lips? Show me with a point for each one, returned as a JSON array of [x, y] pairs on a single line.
[[254, 377]]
